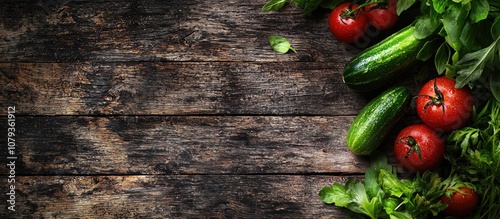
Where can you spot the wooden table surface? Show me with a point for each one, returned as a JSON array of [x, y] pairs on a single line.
[[171, 109]]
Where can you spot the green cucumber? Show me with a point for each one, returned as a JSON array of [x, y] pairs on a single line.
[[376, 119], [375, 66]]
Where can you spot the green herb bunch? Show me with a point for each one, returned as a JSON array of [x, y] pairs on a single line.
[[382, 194], [474, 154]]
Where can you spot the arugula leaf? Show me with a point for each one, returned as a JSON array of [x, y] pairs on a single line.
[[280, 44], [472, 65], [274, 5]]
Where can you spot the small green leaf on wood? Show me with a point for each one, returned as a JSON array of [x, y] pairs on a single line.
[[280, 44], [274, 5]]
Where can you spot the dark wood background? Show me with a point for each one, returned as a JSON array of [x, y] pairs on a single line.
[[173, 109]]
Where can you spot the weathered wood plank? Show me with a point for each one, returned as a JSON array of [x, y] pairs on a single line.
[[177, 88], [167, 196], [65, 145], [62, 31]]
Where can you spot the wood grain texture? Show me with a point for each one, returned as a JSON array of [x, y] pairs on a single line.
[[177, 88], [184, 145], [175, 109], [179, 196], [62, 31]]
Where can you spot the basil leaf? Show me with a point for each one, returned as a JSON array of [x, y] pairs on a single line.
[[439, 5], [442, 58], [425, 26], [453, 21], [479, 10], [428, 50], [274, 5], [280, 44], [403, 5]]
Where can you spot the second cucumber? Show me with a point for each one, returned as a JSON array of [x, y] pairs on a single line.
[[376, 119]]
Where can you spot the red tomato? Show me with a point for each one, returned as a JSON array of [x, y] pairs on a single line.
[[460, 203], [442, 106], [419, 148], [347, 29], [383, 17]]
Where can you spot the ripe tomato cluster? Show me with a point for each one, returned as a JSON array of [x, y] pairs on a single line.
[[442, 108], [348, 21]]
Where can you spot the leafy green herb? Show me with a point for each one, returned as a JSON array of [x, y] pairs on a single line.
[[441, 58], [280, 44], [479, 10], [274, 5], [307, 6], [471, 30], [495, 85], [404, 5], [474, 153], [472, 65], [383, 195]]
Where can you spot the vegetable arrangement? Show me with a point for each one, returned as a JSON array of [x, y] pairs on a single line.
[[453, 153]]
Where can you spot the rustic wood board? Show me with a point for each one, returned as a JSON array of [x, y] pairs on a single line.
[[185, 145], [174, 196], [173, 109], [160, 31], [177, 88]]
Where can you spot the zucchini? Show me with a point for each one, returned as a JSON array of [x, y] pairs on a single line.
[[376, 119], [375, 66]]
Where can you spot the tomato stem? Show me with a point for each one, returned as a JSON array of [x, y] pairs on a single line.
[[414, 147], [351, 13], [436, 100]]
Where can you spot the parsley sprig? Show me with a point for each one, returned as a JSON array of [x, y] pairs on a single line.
[[474, 154], [382, 194]]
